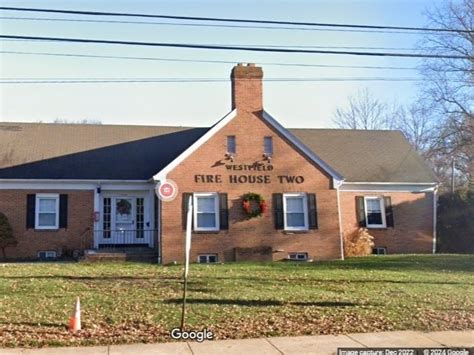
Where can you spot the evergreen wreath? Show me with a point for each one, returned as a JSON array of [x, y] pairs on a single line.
[[262, 205]]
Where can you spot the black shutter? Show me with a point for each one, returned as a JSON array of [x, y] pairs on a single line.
[[360, 209], [388, 211], [312, 212], [278, 210], [62, 211], [184, 209], [223, 212], [30, 211]]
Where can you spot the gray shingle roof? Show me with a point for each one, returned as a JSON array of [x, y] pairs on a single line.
[[117, 152]]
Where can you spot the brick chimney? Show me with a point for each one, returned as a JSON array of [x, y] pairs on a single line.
[[247, 87]]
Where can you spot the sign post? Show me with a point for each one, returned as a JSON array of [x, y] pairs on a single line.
[[187, 249]]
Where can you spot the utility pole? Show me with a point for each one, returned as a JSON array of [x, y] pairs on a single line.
[[452, 176]]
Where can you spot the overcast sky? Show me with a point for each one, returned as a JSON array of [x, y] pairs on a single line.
[[294, 104]]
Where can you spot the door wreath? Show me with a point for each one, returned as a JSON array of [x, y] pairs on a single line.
[[260, 202]]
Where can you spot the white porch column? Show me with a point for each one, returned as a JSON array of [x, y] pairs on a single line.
[[97, 197]]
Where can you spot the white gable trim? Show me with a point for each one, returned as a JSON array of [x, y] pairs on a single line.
[[302, 147], [270, 120], [193, 147]]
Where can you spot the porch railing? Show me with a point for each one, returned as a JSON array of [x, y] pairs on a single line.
[[121, 238]]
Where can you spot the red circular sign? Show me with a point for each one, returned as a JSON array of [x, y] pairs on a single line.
[[167, 190]]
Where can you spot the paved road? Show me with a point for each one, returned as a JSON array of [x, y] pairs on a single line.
[[319, 344]]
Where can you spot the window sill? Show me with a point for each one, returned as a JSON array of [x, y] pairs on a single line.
[[295, 231], [377, 228], [206, 232], [46, 229]]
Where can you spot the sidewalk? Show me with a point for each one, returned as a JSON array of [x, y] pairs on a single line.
[[319, 344]]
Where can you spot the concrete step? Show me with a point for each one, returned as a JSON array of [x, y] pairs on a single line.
[[104, 256]]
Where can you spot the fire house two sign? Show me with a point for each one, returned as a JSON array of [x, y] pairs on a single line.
[[248, 178]]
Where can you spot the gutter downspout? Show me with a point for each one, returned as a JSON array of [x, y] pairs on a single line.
[[435, 216], [341, 239]]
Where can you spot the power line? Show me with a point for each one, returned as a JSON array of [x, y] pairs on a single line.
[[206, 25], [256, 45], [236, 48], [207, 61], [184, 80], [216, 19]]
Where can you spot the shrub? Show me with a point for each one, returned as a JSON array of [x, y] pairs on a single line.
[[7, 238], [358, 243], [456, 222]]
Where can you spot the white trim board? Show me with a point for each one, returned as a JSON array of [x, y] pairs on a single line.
[[387, 187], [161, 175], [74, 185]]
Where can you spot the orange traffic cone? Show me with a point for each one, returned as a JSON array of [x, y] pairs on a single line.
[[75, 320]]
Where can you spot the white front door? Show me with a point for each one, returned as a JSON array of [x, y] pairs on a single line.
[[124, 221], [124, 214]]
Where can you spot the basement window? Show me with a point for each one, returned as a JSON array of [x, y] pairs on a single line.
[[47, 255], [298, 256], [379, 251], [207, 258]]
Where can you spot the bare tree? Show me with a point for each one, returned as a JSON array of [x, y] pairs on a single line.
[[418, 126], [363, 111], [449, 82]]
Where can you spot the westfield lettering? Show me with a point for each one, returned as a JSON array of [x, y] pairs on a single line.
[[248, 178]]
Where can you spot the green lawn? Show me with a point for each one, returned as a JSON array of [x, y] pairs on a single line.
[[133, 302]]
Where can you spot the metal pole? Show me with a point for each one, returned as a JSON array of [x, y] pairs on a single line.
[[183, 311], [187, 248]]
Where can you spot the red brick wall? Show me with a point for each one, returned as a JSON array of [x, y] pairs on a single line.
[[413, 221], [250, 130], [30, 241]]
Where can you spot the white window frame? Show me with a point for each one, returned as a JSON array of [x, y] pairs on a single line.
[[207, 258], [37, 211], [297, 254], [215, 195], [382, 210], [305, 211]]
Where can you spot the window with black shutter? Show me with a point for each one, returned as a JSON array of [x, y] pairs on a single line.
[[30, 211], [63, 209], [278, 211], [223, 212], [389, 212], [360, 211], [312, 212]]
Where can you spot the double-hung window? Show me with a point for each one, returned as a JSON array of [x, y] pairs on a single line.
[[206, 211], [295, 208], [375, 212], [47, 211]]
